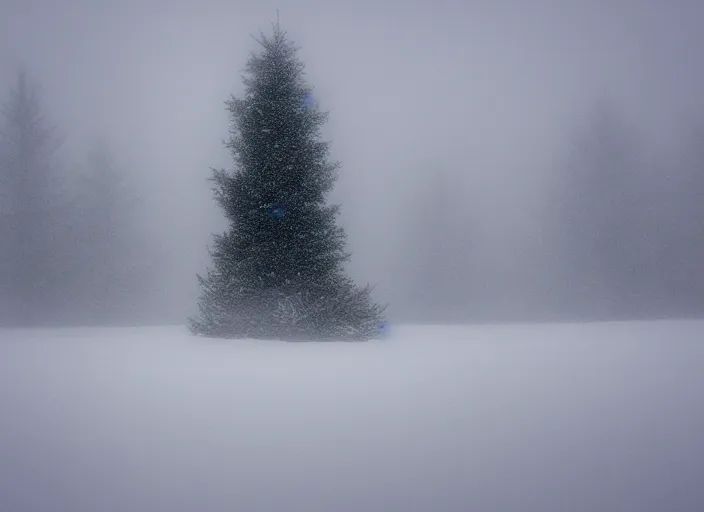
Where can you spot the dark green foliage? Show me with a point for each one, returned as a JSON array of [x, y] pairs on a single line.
[[278, 270]]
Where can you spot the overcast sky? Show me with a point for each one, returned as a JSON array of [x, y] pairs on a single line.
[[485, 90]]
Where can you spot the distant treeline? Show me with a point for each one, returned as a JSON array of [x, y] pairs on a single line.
[[71, 251], [620, 236]]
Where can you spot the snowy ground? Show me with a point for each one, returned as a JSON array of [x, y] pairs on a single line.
[[563, 418]]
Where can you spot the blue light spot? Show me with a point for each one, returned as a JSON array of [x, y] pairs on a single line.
[[309, 101], [384, 330], [277, 212]]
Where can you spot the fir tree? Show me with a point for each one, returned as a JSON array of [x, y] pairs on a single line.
[[30, 206], [277, 272], [437, 284], [601, 209], [109, 271]]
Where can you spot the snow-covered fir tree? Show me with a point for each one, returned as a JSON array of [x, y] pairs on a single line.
[[278, 271]]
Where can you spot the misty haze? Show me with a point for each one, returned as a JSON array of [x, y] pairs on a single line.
[[504, 200]]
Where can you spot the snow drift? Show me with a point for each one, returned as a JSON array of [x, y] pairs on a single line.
[[602, 417]]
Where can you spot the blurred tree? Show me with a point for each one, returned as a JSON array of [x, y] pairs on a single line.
[[31, 204], [607, 221], [110, 261], [438, 253], [681, 181]]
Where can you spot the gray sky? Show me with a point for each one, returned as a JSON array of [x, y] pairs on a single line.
[[486, 90]]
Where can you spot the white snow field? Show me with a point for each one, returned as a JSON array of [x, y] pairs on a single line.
[[563, 418]]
